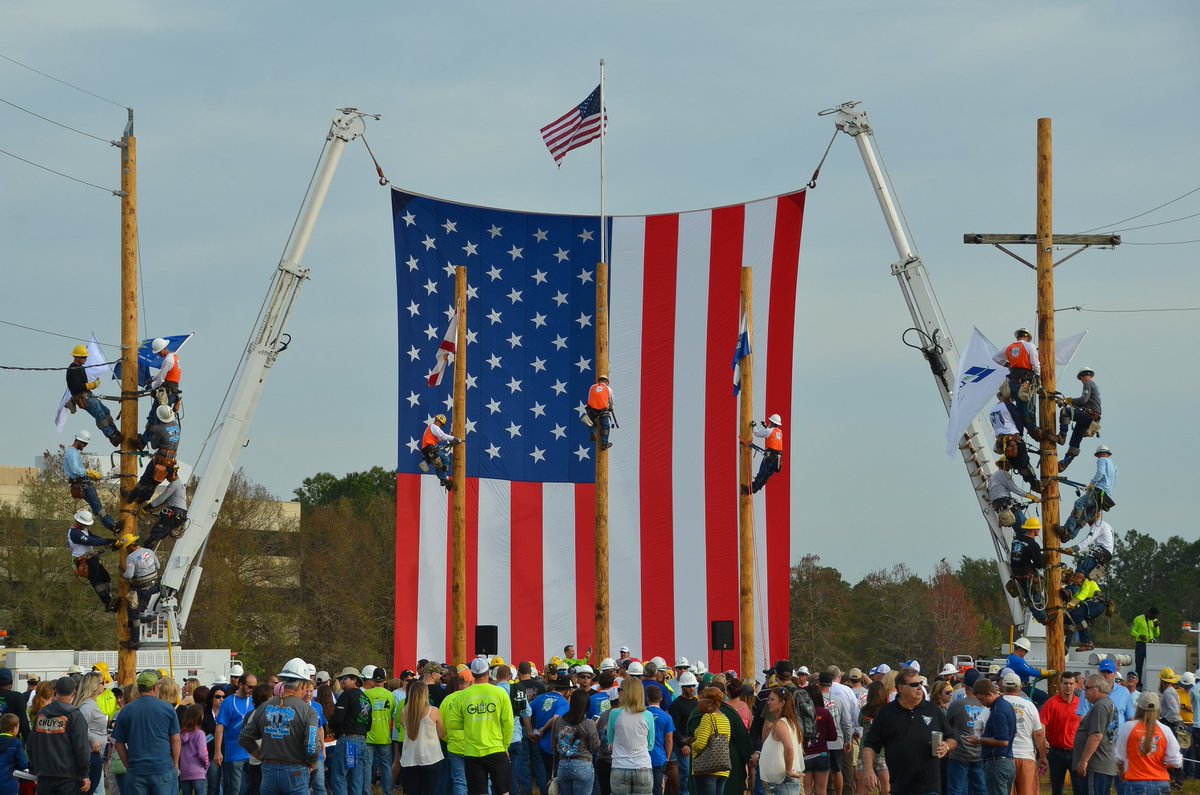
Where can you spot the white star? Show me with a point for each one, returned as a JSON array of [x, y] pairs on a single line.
[[539, 365], [514, 430], [429, 242], [449, 313], [514, 339], [562, 254], [493, 451], [494, 361], [495, 231], [413, 353], [585, 235], [514, 295], [583, 364], [413, 399], [409, 218], [413, 445], [413, 308], [493, 316], [539, 320], [560, 431], [470, 427], [449, 402], [430, 287], [493, 405], [539, 410], [471, 248], [560, 342], [514, 386], [540, 235], [539, 276], [583, 453], [431, 332], [412, 263], [584, 320], [515, 252], [560, 388], [449, 269], [494, 273], [581, 408], [584, 276], [472, 337], [560, 298], [472, 291], [450, 226], [538, 455], [472, 381]]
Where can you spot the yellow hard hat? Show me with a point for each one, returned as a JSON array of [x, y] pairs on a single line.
[[440, 419], [1168, 675], [497, 660], [1032, 523], [125, 540], [102, 669], [79, 350]]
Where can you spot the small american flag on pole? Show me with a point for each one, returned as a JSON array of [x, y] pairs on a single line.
[[577, 127], [444, 351]]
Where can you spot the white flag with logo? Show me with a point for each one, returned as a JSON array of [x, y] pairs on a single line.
[[95, 366], [979, 377]]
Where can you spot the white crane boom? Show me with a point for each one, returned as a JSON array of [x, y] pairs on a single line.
[[933, 335], [181, 577]]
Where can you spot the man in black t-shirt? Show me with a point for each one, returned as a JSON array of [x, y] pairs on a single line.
[[904, 731]]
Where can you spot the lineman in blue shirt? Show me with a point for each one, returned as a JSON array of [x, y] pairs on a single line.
[[1098, 496], [1026, 672], [85, 549], [81, 478]]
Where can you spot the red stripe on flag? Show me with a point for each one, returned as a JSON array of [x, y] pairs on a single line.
[[655, 475], [585, 570], [720, 431], [472, 533], [789, 220], [526, 580], [408, 570]]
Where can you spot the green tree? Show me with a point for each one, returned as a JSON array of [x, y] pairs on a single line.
[[820, 599], [893, 616], [361, 488]]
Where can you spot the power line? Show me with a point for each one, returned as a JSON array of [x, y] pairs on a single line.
[[56, 334], [57, 123], [1131, 311], [61, 174], [1161, 243], [1160, 223], [64, 82], [1139, 215]]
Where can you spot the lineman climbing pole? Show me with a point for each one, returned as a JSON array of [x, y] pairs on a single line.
[[745, 500], [127, 657]]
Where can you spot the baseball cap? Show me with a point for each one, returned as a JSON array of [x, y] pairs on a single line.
[[1010, 679], [379, 675], [624, 650], [882, 668], [913, 664], [147, 679], [855, 674], [971, 677], [825, 677], [1108, 667], [784, 668], [479, 666], [322, 677], [6, 676], [1148, 700], [368, 672]]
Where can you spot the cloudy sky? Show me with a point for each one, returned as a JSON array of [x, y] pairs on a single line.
[[709, 104]]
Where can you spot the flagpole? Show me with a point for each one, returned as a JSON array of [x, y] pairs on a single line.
[[458, 497], [746, 500], [601, 644]]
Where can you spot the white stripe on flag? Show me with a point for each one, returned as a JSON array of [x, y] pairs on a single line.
[[495, 562], [558, 566], [434, 549]]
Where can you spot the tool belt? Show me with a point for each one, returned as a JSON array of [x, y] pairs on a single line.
[[1007, 445], [161, 462], [81, 565], [81, 400], [1103, 501], [79, 488], [1101, 555], [144, 581]]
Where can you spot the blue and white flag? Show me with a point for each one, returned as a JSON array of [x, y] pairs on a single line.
[[742, 351], [149, 362], [979, 377]]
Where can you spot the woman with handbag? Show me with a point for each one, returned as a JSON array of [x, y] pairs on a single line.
[[574, 739], [631, 737], [710, 748], [781, 762]]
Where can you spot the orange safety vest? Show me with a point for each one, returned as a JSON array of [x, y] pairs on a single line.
[[1018, 356], [429, 439], [1149, 767], [600, 397], [775, 440], [173, 375]]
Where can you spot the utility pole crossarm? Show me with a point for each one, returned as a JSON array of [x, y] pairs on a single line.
[[974, 238]]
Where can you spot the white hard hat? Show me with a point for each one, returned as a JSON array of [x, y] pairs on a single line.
[[83, 436], [700, 667], [584, 669], [947, 670], [236, 669], [687, 679], [164, 414], [368, 671], [1022, 643], [659, 661], [158, 345], [635, 669], [682, 662], [775, 419], [1102, 449], [294, 668], [608, 664], [312, 670], [84, 517]]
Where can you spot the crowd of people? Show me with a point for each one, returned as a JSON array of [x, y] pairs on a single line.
[[625, 727]]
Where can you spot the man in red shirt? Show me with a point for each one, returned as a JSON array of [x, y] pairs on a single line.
[[1060, 719]]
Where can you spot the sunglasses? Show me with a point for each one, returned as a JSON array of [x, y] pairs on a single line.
[[910, 684], [218, 695]]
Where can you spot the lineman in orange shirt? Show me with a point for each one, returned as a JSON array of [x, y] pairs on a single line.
[[1021, 359], [167, 377], [435, 449], [600, 410], [772, 431]]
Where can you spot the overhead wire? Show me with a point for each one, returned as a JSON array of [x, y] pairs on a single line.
[[56, 334], [1161, 243], [1139, 215], [56, 123], [60, 173], [63, 82], [1082, 308], [1160, 223]]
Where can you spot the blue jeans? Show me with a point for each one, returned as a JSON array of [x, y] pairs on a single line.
[[318, 777], [537, 768], [381, 763], [575, 777], [789, 786], [347, 780], [627, 781], [1088, 611], [656, 776], [104, 421], [769, 466], [965, 778], [151, 784], [233, 777], [1000, 774], [522, 782], [1100, 784], [1086, 508], [93, 502], [213, 785], [458, 774], [706, 785], [284, 780], [601, 424], [685, 773], [1193, 768], [1147, 787], [198, 787], [1024, 414]]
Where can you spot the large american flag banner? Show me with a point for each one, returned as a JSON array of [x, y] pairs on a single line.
[[674, 289]]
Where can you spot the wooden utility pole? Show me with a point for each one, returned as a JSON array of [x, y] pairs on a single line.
[[746, 500], [126, 657], [601, 644], [458, 497], [1055, 647]]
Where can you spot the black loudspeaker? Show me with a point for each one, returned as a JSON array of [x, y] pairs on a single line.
[[722, 636], [487, 639]]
